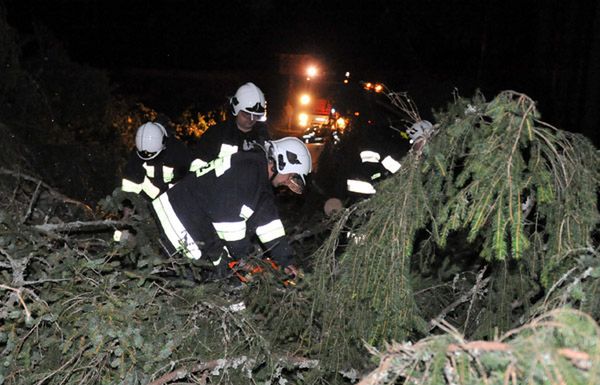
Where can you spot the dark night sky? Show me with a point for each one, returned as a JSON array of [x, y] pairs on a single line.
[[246, 34], [548, 49]]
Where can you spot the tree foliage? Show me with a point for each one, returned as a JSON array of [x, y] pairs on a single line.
[[493, 184], [540, 352]]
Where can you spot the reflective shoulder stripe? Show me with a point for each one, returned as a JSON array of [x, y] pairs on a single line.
[[246, 212], [129, 186], [197, 164], [270, 231], [369, 156], [149, 170], [359, 186], [168, 173], [220, 165], [230, 231], [227, 149], [377, 175], [175, 231], [151, 190], [391, 164], [223, 165]]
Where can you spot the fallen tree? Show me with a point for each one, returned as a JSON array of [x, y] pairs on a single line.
[[493, 188]]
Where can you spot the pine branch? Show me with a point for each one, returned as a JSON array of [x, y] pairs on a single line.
[[215, 366]]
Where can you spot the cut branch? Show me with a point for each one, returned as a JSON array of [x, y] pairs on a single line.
[[81, 226]]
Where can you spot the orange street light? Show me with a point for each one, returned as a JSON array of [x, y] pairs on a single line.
[[311, 71], [304, 99]]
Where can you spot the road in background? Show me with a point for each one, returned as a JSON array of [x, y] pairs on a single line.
[[315, 151]]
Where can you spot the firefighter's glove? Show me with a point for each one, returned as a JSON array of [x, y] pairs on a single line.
[[293, 275]]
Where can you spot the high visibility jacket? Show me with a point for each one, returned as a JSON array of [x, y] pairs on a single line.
[[228, 201], [373, 167], [155, 176], [364, 156], [226, 138]]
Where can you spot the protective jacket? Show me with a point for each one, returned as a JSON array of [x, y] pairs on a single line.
[[372, 166], [225, 138], [155, 176], [363, 157], [226, 202]]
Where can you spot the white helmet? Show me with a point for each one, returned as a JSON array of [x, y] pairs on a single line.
[[290, 156], [149, 140], [250, 98]]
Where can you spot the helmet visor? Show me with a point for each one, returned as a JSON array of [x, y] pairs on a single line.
[[147, 155], [257, 112], [258, 117], [296, 184]]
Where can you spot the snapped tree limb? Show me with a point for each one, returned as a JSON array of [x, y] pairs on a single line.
[[81, 226]]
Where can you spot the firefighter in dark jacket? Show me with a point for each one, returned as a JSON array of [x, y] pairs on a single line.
[[242, 133], [230, 200], [158, 162], [365, 156]]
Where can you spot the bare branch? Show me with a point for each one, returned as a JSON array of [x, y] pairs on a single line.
[[81, 226], [34, 199], [18, 294], [480, 284], [52, 191]]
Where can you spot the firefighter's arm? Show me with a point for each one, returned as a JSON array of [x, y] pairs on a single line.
[[361, 178], [270, 231], [205, 149]]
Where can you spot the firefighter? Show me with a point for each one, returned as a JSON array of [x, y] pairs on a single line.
[[365, 156], [231, 199], [243, 132], [158, 161]]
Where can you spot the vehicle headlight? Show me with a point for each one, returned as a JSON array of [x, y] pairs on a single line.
[[303, 119]]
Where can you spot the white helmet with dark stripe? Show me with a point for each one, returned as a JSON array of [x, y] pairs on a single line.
[[149, 140], [290, 156]]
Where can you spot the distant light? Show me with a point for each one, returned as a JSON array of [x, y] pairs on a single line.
[[368, 85], [356, 113], [347, 74], [345, 81], [333, 110], [311, 71], [304, 99], [378, 88], [340, 123], [303, 119]]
